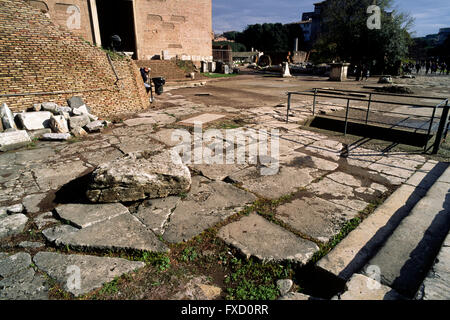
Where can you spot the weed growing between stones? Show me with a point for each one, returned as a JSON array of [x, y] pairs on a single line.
[[252, 280]]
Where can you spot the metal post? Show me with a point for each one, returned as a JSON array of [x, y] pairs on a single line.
[[442, 125], [314, 102], [288, 107], [368, 108], [346, 117], [429, 129]]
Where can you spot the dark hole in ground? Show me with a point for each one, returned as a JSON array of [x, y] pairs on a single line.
[[372, 131], [74, 191], [318, 283]]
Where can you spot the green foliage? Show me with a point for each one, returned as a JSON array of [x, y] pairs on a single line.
[[346, 37], [189, 254], [159, 260], [219, 75], [253, 280], [111, 287], [235, 46], [274, 37]]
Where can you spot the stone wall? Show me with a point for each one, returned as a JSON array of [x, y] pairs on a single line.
[[41, 62]]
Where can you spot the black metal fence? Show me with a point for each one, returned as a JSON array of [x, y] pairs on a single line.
[[431, 124]]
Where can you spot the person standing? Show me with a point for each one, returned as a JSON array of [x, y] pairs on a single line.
[[427, 67], [418, 67]]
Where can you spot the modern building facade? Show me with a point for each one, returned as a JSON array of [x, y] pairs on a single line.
[[148, 28]]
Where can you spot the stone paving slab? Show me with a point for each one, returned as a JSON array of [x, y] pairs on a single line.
[[54, 233], [217, 172], [287, 181], [361, 287], [44, 219], [12, 225], [124, 232], [19, 280], [326, 148], [315, 217], [208, 203], [94, 271], [139, 122], [338, 193], [31, 202], [300, 159], [155, 213], [204, 118], [86, 215], [53, 178], [24, 285], [255, 236]]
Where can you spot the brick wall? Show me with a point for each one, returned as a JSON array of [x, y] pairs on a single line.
[[40, 62], [182, 27]]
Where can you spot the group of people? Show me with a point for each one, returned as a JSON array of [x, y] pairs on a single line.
[[362, 72], [432, 67]]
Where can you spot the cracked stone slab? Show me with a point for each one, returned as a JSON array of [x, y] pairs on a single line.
[[124, 232], [255, 236], [361, 287], [315, 217], [44, 220], [398, 166], [12, 225], [139, 122], [303, 160], [51, 234], [24, 285], [204, 118], [86, 215], [218, 172], [338, 193], [167, 136], [54, 178], [31, 202], [94, 271], [12, 264], [327, 148], [155, 213], [208, 203], [286, 181]]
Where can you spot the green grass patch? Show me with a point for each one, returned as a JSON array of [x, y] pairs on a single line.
[[254, 280]]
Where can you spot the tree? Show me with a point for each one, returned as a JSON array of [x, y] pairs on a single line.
[[274, 37], [345, 35]]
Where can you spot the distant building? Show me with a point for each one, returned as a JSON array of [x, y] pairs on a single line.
[[315, 21], [443, 34], [148, 28]]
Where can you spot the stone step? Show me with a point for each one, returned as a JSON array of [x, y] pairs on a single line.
[[409, 253], [437, 283], [352, 253]]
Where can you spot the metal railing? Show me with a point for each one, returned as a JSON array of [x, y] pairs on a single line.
[[368, 98]]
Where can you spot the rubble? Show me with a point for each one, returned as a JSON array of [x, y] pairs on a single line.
[[13, 140], [47, 121]]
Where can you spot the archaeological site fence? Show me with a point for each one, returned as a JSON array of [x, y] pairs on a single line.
[[408, 119]]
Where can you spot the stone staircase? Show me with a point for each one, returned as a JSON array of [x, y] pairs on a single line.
[[392, 254]]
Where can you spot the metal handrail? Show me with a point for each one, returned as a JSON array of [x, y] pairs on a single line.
[[443, 125]]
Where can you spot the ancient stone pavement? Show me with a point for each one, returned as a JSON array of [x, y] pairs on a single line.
[[40, 195]]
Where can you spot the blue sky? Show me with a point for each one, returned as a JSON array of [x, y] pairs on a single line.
[[429, 15]]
